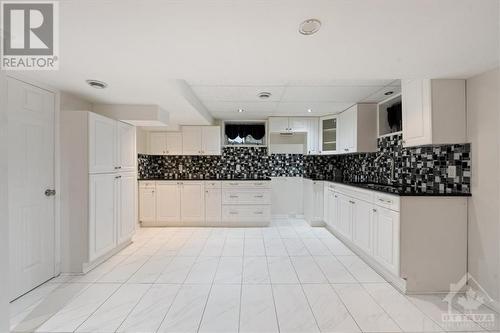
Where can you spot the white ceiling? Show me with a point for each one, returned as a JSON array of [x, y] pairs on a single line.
[[143, 49], [295, 98]]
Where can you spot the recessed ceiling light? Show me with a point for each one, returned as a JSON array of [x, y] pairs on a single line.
[[264, 95], [97, 84], [310, 26], [240, 110], [389, 93], [309, 110]]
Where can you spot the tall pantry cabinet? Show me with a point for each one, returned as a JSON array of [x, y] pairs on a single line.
[[99, 188]]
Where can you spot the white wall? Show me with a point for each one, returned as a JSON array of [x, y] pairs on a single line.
[[142, 141], [4, 225], [71, 102], [483, 131]]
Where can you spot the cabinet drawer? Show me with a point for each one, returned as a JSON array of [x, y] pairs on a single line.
[[213, 184], [147, 184], [387, 201], [246, 196], [246, 213], [246, 184]]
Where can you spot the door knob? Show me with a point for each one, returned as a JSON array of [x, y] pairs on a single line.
[[49, 192]]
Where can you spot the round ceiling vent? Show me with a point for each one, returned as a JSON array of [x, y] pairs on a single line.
[[97, 84], [310, 26], [388, 93], [264, 95]]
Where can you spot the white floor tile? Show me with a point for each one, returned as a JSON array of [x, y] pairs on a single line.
[[122, 272], [281, 270], [293, 311], [223, 309], [177, 270], [329, 311], [307, 270], [213, 247], [230, 271], [203, 270], [113, 312], [295, 247], [275, 247], [366, 312], [334, 271], [316, 247], [186, 311], [359, 269], [257, 309], [336, 247], [151, 270], [254, 247], [147, 316], [233, 247], [255, 270]]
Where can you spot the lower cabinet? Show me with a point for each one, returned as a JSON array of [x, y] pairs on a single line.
[[168, 202], [386, 238], [345, 216], [126, 198], [213, 205], [192, 201], [362, 231], [147, 199]]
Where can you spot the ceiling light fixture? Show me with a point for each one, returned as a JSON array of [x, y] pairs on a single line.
[[264, 95], [240, 110], [97, 84], [310, 26], [389, 93], [309, 110]]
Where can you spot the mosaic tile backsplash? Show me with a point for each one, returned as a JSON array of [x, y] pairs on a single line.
[[444, 168]]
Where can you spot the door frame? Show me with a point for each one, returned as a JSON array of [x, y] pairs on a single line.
[[57, 161]]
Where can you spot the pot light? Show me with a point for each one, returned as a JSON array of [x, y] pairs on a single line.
[[240, 110], [389, 93], [264, 95], [309, 110], [310, 26], [97, 84]]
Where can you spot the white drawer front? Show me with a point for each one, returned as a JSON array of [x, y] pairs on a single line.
[[246, 196], [147, 184], [246, 213], [386, 200], [213, 184], [246, 184]]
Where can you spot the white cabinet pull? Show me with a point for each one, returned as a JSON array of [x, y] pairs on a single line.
[[258, 184], [233, 184], [374, 210], [258, 196], [233, 213], [234, 196], [259, 213]]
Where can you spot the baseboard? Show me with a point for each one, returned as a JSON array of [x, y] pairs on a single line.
[[206, 224]]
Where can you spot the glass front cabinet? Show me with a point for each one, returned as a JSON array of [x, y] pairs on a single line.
[[328, 135]]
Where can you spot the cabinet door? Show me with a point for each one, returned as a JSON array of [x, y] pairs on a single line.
[[278, 124], [126, 208], [191, 140], [298, 124], [168, 202], [147, 205], [126, 151], [211, 140], [328, 135], [213, 205], [345, 215], [386, 238], [102, 144], [313, 136], [192, 202], [416, 112], [174, 143], [317, 201], [157, 143], [362, 231], [348, 130], [102, 214]]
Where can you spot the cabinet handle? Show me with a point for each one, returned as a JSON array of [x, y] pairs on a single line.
[[118, 177], [233, 184], [374, 210], [258, 213], [258, 196], [259, 184], [233, 213], [335, 196], [385, 201], [234, 196], [353, 202]]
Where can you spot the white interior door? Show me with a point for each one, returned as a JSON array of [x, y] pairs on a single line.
[[31, 172]]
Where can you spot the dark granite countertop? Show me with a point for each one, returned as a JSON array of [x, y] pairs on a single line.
[[208, 179], [396, 190]]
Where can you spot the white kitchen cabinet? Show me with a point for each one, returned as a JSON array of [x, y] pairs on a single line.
[[357, 129], [328, 135], [157, 143], [362, 231], [313, 136], [126, 143], [126, 205], [345, 215], [173, 143], [147, 203], [331, 208], [288, 124], [102, 214], [201, 140], [168, 202], [299, 124], [102, 142], [386, 238], [433, 112], [192, 201], [213, 202]]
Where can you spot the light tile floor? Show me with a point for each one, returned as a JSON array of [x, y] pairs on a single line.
[[288, 277]]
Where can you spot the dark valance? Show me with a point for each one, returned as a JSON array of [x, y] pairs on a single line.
[[234, 130]]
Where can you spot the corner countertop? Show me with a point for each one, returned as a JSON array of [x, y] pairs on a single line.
[[401, 190], [207, 179]]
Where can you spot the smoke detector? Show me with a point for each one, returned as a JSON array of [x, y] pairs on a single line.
[[97, 84], [264, 95], [310, 26]]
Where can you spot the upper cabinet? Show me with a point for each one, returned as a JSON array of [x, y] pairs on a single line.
[[433, 112], [328, 135], [201, 140], [313, 136], [288, 124], [165, 143], [358, 129], [126, 154]]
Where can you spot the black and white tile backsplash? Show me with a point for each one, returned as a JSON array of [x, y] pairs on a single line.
[[444, 168]]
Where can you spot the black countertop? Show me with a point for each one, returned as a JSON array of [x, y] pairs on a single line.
[[208, 179], [396, 190]]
